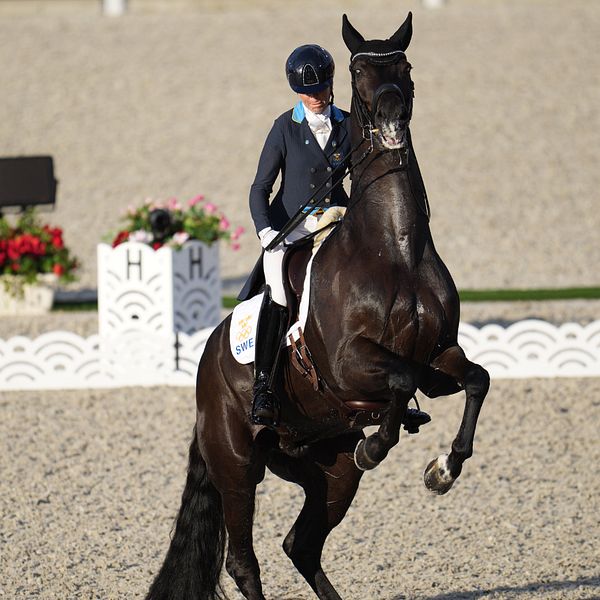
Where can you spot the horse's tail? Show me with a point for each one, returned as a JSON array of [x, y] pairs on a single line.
[[192, 567]]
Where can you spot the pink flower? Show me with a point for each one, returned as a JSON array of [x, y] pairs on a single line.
[[172, 204], [195, 200], [224, 223], [210, 208], [144, 237], [235, 246], [236, 234], [180, 238]]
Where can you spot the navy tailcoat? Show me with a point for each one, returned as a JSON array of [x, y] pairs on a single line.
[[292, 150]]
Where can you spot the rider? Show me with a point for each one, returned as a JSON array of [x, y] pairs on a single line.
[[306, 145]]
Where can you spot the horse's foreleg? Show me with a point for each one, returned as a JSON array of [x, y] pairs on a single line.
[[329, 492], [443, 471], [382, 375], [373, 449]]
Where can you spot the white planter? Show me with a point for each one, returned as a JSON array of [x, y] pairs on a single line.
[[27, 299], [148, 298], [159, 291]]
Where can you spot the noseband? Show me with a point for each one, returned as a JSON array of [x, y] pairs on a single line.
[[366, 118]]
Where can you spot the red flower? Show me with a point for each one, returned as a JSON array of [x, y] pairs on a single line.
[[157, 245], [58, 270], [15, 267], [13, 250], [120, 238]]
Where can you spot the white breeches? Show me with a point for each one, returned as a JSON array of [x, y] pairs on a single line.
[[272, 261]]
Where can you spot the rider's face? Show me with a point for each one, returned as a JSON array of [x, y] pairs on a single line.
[[318, 101]]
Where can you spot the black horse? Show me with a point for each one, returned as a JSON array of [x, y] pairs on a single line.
[[383, 322]]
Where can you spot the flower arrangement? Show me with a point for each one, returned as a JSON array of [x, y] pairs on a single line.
[[29, 249], [171, 223]]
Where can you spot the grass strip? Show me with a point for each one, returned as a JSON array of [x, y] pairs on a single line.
[[578, 293]]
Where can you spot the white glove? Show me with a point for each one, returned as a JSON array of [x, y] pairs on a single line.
[[267, 235]]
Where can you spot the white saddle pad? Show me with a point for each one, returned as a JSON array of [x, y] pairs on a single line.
[[242, 331], [244, 320]]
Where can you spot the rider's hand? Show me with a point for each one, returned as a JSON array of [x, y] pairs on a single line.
[[266, 236]]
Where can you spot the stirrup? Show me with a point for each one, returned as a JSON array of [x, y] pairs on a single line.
[[414, 418]]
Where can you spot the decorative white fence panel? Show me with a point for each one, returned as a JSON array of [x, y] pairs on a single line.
[[533, 348], [63, 360]]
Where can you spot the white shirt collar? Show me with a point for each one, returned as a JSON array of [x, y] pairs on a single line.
[[315, 119]]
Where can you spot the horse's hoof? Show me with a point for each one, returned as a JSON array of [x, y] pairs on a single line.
[[437, 475], [361, 460]]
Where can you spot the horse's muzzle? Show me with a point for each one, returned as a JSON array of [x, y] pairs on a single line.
[[391, 115]]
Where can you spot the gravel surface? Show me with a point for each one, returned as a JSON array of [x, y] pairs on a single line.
[[506, 127], [91, 483], [506, 122]]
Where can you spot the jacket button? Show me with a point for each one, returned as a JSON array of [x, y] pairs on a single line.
[[312, 186], [327, 200], [334, 144], [329, 169], [328, 184], [312, 170]]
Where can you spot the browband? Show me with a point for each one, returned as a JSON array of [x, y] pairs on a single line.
[[382, 56]]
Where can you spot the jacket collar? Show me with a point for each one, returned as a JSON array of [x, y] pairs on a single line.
[[298, 114]]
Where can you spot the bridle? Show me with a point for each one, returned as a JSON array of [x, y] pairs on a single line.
[[366, 118]]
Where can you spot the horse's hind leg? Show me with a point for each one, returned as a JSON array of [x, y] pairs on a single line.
[[241, 563], [443, 471], [240, 471], [329, 492]]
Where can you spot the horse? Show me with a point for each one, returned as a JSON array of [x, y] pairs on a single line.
[[382, 324]]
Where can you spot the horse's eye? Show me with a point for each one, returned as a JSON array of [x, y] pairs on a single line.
[[357, 71]]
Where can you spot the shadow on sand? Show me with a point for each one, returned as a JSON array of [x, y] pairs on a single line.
[[545, 590]]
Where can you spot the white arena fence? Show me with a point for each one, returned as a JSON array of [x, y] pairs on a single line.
[[64, 360]]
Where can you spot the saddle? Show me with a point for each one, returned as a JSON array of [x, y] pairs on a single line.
[[359, 412]]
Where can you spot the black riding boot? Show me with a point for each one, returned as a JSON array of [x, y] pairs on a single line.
[[271, 327]]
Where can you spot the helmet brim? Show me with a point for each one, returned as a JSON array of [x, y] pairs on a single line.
[[312, 89]]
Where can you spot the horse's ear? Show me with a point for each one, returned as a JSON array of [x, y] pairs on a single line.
[[352, 38], [402, 37]]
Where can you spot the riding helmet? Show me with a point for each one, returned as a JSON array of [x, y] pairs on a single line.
[[309, 69]]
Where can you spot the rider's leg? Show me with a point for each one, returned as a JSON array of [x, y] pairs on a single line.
[[271, 328], [272, 265]]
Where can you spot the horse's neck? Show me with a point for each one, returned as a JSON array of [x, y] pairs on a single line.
[[383, 209]]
